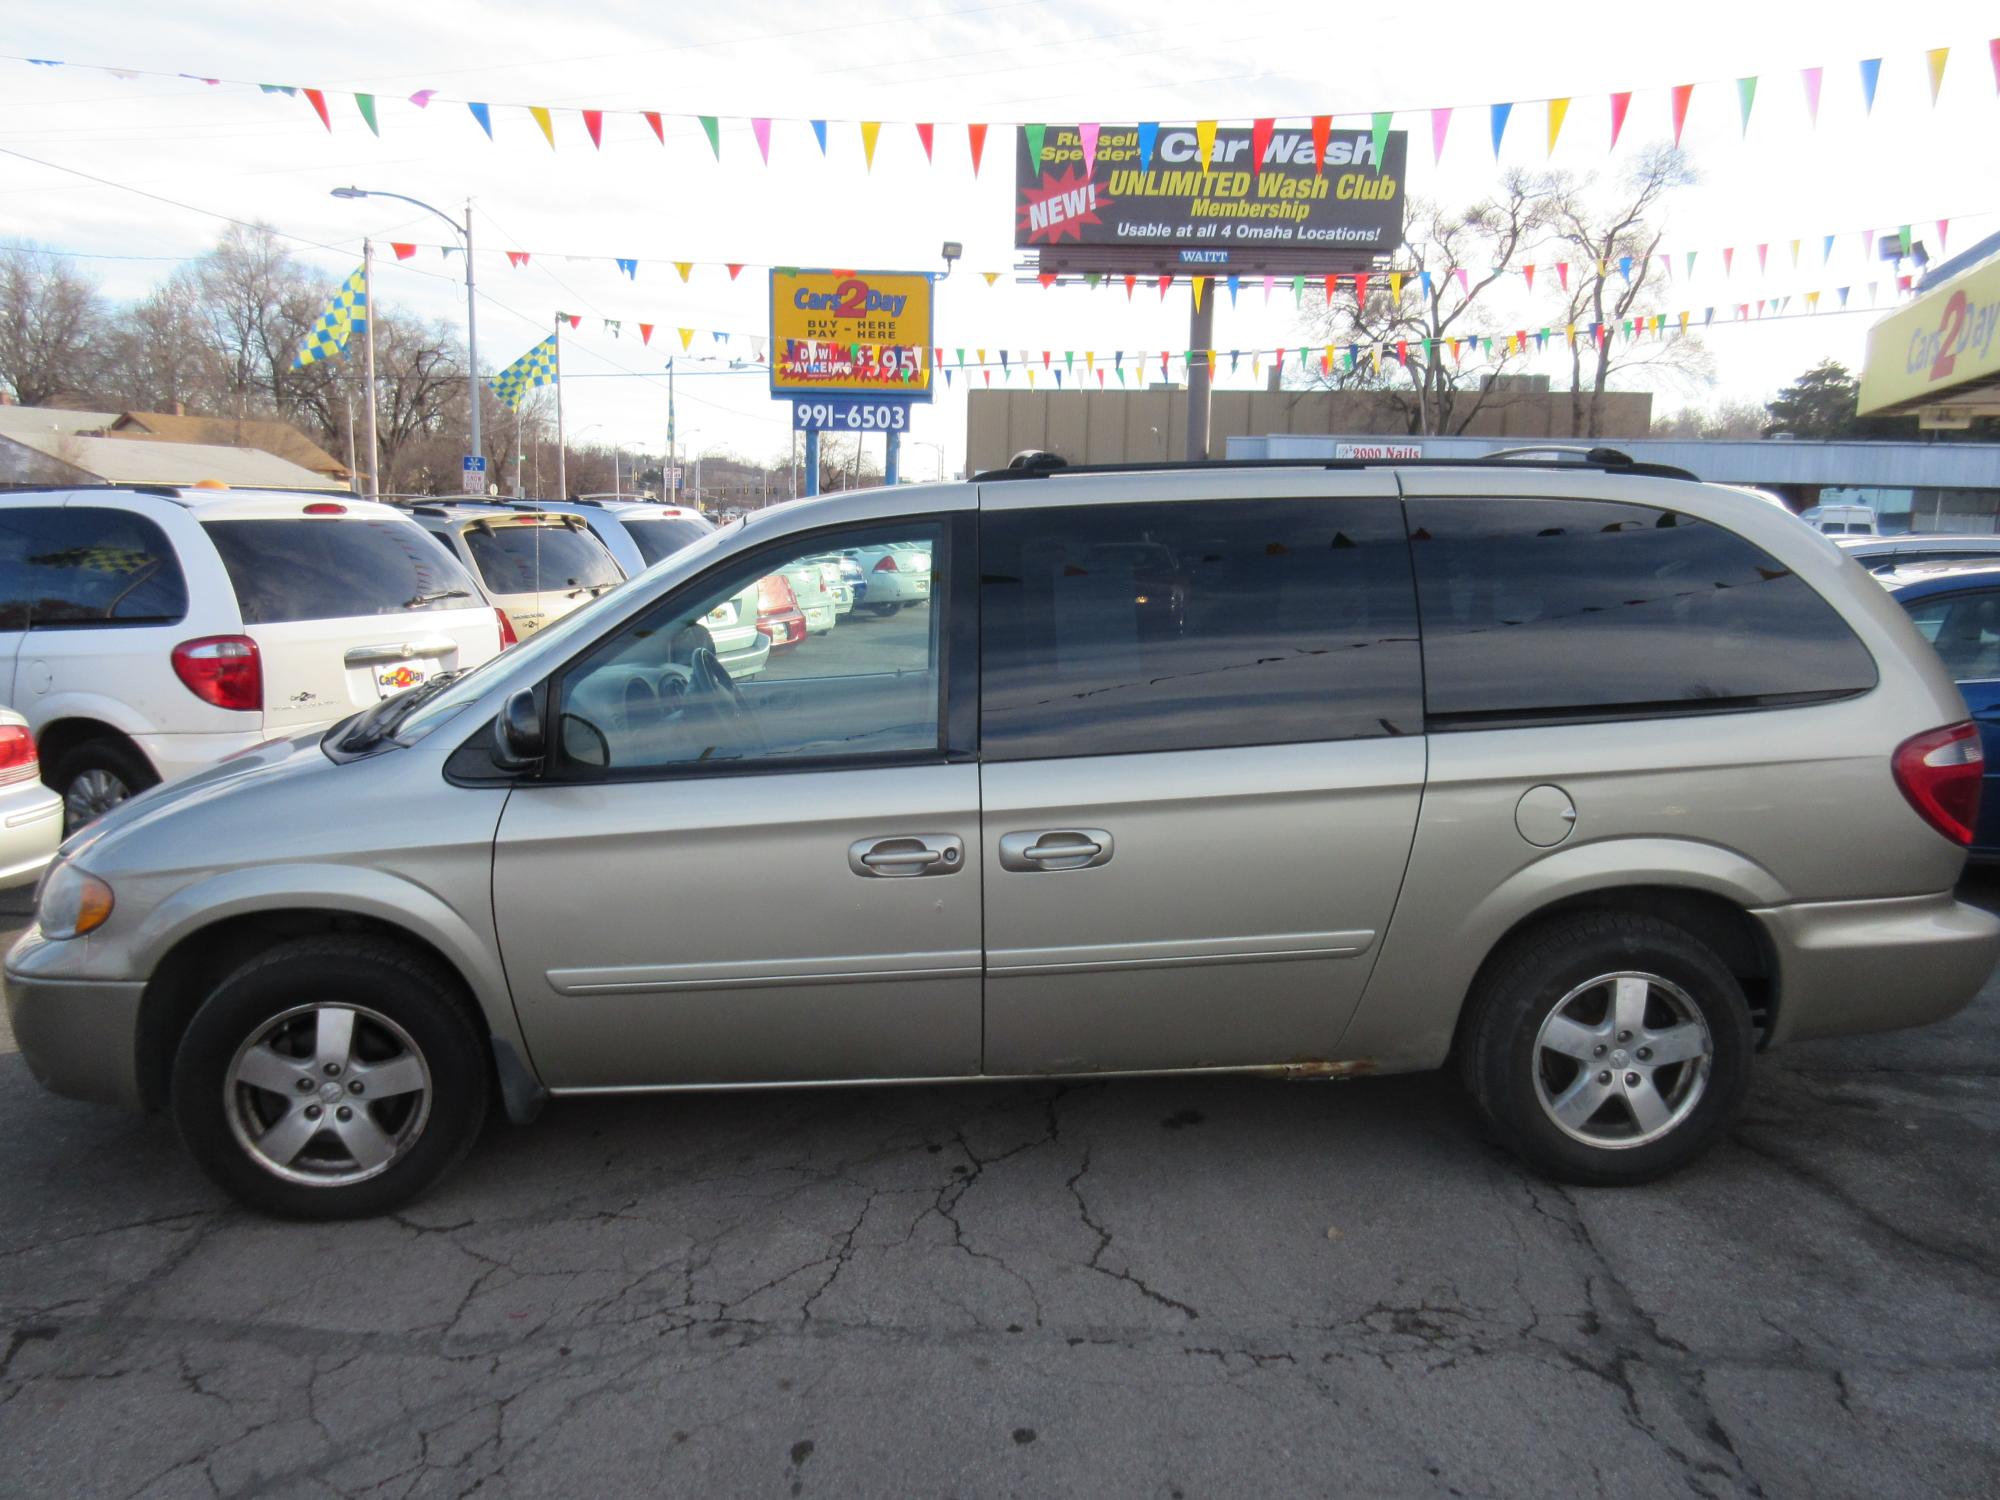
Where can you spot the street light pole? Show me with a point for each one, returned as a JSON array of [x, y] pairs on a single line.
[[464, 231]]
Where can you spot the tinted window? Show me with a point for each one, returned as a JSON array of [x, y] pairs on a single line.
[[756, 665], [1117, 628], [83, 565], [1965, 628], [662, 538], [304, 569], [525, 559], [1538, 609]]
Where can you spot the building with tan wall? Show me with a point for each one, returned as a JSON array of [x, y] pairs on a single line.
[[1150, 425]]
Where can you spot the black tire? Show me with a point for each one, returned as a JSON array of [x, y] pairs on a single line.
[[881, 611], [1521, 987], [106, 757], [412, 991]]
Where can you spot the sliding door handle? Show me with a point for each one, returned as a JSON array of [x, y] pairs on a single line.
[[1055, 849]]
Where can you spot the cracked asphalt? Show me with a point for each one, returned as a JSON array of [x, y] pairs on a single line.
[[1170, 1289]]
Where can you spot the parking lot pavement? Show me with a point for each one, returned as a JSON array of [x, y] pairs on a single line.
[[860, 642], [1135, 1288]]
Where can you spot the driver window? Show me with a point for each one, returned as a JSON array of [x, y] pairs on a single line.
[[829, 651]]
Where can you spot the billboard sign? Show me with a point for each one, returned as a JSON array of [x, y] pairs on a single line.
[[1942, 344], [851, 332], [1288, 212]]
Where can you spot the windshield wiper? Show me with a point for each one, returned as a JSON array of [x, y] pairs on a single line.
[[422, 599], [380, 722]]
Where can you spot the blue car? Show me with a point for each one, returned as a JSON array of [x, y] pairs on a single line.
[[1957, 607]]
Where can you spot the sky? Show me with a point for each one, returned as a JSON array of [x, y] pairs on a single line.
[[220, 152]]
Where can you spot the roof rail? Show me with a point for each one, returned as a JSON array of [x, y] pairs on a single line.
[[1037, 465]]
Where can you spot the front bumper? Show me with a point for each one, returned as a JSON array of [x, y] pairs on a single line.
[[1853, 966], [79, 1037]]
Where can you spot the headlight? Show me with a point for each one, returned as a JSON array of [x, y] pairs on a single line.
[[72, 903]]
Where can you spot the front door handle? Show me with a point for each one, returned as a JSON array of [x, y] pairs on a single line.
[[1055, 849], [905, 855]]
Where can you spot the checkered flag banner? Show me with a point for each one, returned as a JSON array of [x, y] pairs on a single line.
[[345, 315], [536, 367]]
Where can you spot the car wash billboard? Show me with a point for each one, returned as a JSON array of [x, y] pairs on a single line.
[[1148, 200]]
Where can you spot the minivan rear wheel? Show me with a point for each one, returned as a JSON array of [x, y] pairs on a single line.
[[331, 1077], [1608, 1047], [95, 777]]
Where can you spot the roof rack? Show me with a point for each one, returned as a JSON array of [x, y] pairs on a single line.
[[1036, 464]]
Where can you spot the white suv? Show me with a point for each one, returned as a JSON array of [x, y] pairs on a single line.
[[147, 632]]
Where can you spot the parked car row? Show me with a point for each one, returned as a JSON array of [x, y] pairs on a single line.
[[148, 631]]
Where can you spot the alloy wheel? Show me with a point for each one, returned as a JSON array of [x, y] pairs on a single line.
[[91, 794], [1622, 1059]]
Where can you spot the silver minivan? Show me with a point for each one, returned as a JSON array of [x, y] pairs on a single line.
[[1587, 779]]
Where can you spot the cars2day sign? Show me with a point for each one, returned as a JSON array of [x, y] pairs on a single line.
[[1292, 210], [860, 332]]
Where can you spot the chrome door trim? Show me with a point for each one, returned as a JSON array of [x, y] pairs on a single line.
[[757, 973], [1258, 948], [428, 645]]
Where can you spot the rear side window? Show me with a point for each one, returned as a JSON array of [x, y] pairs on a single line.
[[664, 536], [1543, 610], [1194, 625], [305, 569], [84, 565], [525, 559], [1965, 628]]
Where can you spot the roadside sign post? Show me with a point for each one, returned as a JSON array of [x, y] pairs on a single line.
[[473, 476], [852, 349]]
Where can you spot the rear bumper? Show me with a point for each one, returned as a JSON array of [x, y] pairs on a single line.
[[79, 1037], [1852, 966], [31, 824]]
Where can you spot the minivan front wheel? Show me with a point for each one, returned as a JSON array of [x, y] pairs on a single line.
[[1608, 1047], [95, 777], [331, 1077]]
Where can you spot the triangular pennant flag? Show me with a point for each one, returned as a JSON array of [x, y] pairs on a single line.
[[403, 251], [1690, 262], [366, 104], [422, 98], [1089, 135], [1211, 364], [712, 128], [1234, 281], [1500, 113], [1298, 290], [1148, 133], [1047, 279], [1763, 255], [1826, 250], [1528, 275], [1204, 141], [1684, 322], [1795, 254], [1812, 77], [819, 134], [1035, 134], [593, 124], [682, 266], [517, 258], [1464, 281], [1269, 279], [645, 333], [1199, 283], [1424, 284], [630, 268], [659, 126], [926, 135], [1683, 93], [1619, 104], [687, 337], [1728, 259], [1260, 142], [1380, 133], [288, 90], [1558, 111], [1868, 244], [991, 276], [1841, 292], [1746, 95], [1936, 58], [1994, 48], [317, 99], [760, 127], [1130, 283], [975, 140], [1396, 285], [540, 115], [1332, 282], [575, 319], [613, 327], [870, 130], [1625, 267], [1707, 316], [1943, 225], [1360, 289], [1812, 302], [1440, 123], [1903, 240], [1871, 74], [484, 116]]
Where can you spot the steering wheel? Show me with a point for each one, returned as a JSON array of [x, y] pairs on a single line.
[[712, 690]]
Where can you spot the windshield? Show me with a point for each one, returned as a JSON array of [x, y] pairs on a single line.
[[662, 537], [528, 558], [285, 570], [537, 656]]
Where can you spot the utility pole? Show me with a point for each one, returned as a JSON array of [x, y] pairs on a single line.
[[562, 451], [1201, 339], [472, 345], [673, 451], [368, 340]]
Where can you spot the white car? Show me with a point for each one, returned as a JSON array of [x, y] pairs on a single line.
[[534, 566], [146, 632], [898, 576], [31, 823]]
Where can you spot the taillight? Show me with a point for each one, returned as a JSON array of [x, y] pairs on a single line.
[[17, 753], [507, 636], [775, 593], [1939, 772], [887, 564], [223, 670]]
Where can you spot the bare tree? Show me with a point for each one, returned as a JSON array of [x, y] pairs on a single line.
[[52, 329], [1611, 240], [1453, 269], [160, 351], [1726, 419]]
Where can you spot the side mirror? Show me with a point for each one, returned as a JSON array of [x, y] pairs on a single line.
[[517, 733]]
